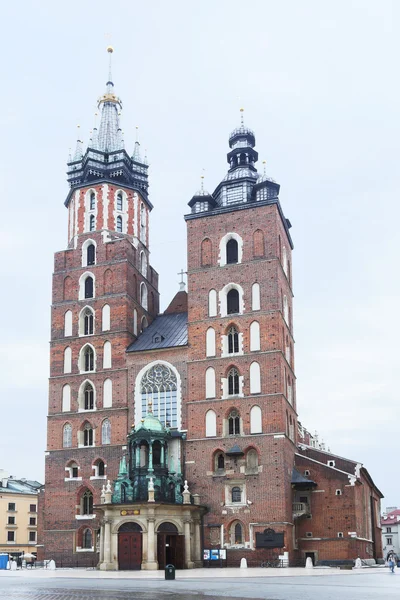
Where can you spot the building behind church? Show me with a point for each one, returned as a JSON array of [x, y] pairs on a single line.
[[173, 437]]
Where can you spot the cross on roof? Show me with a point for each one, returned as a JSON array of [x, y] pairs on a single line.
[[182, 283]]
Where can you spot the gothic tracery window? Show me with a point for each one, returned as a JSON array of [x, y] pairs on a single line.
[[87, 503], [88, 395], [233, 382], [234, 423], [89, 359], [233, 340], [88, 436], [159, 386], [88, 322], [87, 539]]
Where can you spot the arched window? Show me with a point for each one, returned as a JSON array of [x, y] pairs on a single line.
[[107, 355], [252, 461], [232, 301], [87, 503], [255, 378], [119, 201], [210, 342], [212, 303], [159, 386], [88, 322], [90, 255], [211, 423], [255, 296], [88, 359], [89, 287], [236, 494], [92, 201], [92, 224], [258, 244], [232, 252], [286, 310], [101, 468], [289, 391], [142, 224], [72, 469], [234, 423], [119, 224], [233, 382], [68, 323], [143, 264], [67, 360], [105, 317], [66, 398], [220, 461], [143, 295], [107, 393], [88, 435], [67, 436], [105, 433], [255, 420], [255, 336], [238, 534], [233, 340], [88, 397], [210, 383], [144, 324], [87, 538], [284, 260], [206, 253]]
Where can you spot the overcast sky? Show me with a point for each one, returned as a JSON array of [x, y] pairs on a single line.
[[319, 82]]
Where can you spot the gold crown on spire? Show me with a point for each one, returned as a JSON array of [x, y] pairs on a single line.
[[110, 49]]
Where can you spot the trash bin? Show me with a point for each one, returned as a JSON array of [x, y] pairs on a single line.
[[169, 572], [3, 561]]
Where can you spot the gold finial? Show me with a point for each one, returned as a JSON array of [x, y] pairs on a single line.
[[241, 115], [110, 49], [265, 166]]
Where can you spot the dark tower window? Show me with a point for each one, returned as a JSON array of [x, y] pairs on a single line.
[[220, 462], [233, 341], [87, 503], [92, 204], [232, 302], [233, 382], [101, 468], [88, 322], [238, 533], [89, 359], [119, 224], [88, 441], [232, 250], [89, 287], [91, 223], [87, 539], [90, 255], [119, 201], [234, 423], [89, 397], [236, 496]]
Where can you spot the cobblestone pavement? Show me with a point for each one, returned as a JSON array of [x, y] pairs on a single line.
[[361, 587]]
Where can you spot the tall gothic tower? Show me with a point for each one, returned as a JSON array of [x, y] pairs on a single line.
[[104, 293], [241, 404]]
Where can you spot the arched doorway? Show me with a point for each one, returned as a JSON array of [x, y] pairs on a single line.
[[170, 546], [129, 547]]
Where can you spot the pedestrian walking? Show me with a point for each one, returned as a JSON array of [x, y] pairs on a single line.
[[391, 563]]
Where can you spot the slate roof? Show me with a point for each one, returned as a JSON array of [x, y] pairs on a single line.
[[20, 486], [299, 479], [172, 329]]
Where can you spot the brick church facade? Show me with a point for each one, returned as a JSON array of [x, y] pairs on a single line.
[[180, 430]]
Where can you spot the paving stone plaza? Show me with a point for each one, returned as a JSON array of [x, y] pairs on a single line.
[[228, 583]]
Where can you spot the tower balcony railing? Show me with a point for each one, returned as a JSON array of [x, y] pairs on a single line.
[[300, 509]]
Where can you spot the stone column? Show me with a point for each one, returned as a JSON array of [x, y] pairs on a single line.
[[162, 454], [107, 564], [151, 563], [188, 554], [151, 455], [197, 541], [101, 557]]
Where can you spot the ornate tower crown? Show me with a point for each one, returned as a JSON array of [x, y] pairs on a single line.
[[105, 158]]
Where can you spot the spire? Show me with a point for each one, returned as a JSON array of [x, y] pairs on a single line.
[[136, 150], [78, 149], [123, 470], [95, 133], [108, 137]]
